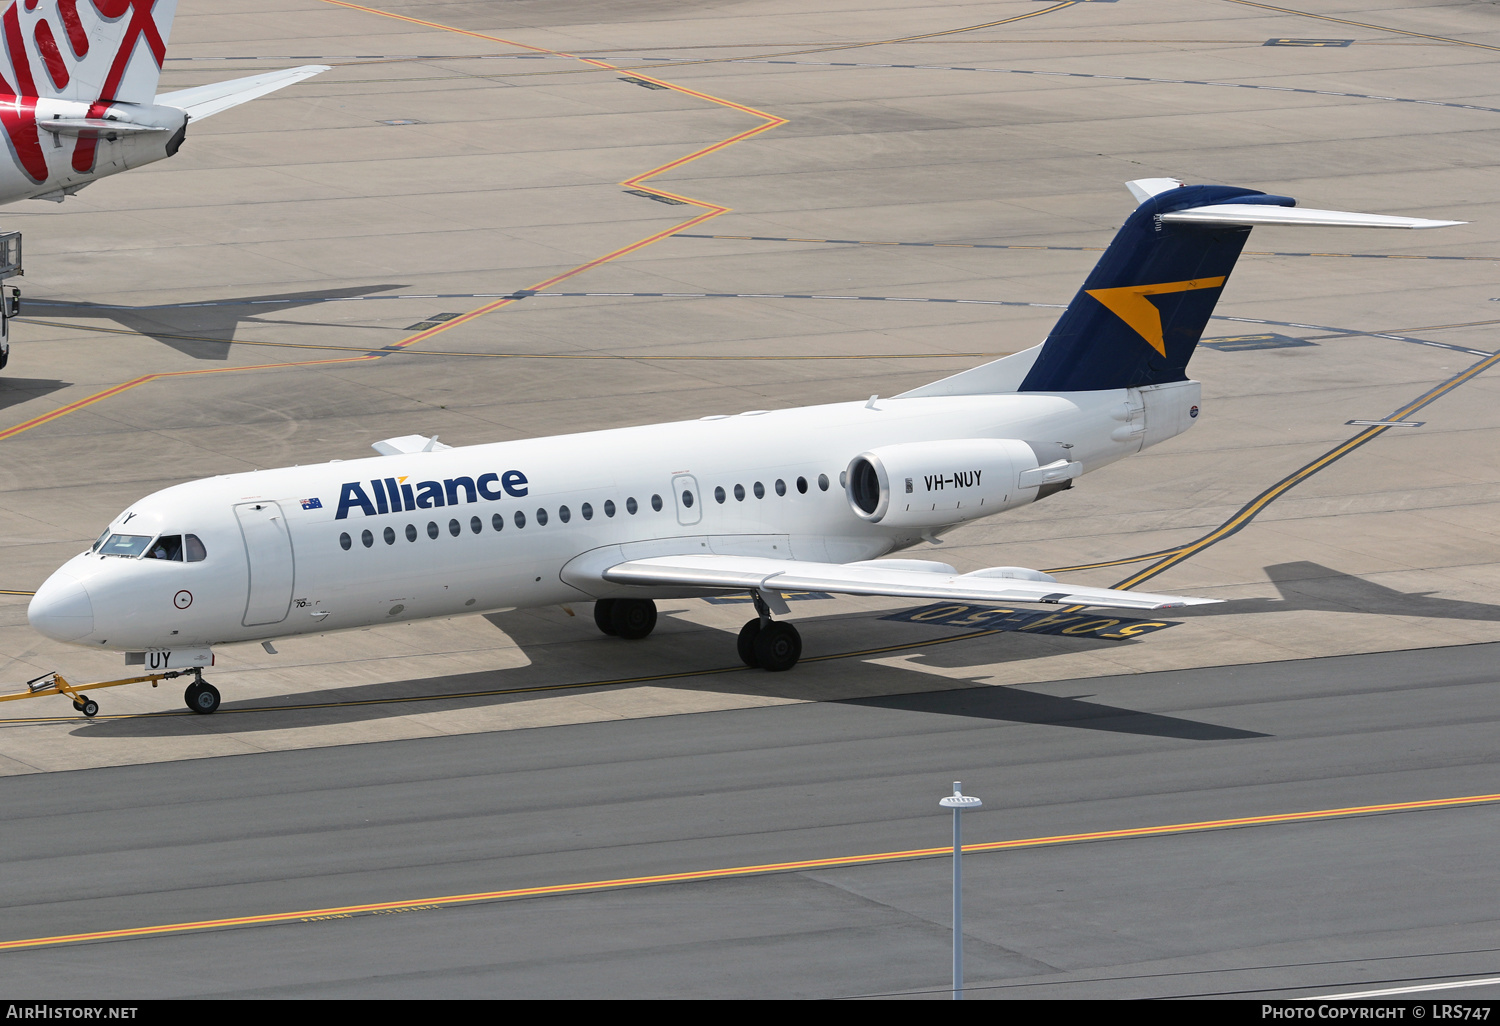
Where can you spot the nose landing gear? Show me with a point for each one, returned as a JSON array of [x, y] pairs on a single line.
[[200, 696], [769, 644]]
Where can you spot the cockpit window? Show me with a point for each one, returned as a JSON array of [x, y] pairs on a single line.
[[168, 546], [125, 544], [99, 541], [196, 553]]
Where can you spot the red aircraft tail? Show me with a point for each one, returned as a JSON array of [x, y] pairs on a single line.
[[85, 50]]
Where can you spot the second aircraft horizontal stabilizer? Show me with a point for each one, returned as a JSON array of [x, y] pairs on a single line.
[[757, 573], [205, 101]]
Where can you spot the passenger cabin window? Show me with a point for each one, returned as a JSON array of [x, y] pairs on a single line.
[[823, 482], [587, 511], [411, 532], [497, 522], [719, 494], [780, 486], [739, 493], [760, 490], [609, 507], [802, 485], [168, 546], [656, 503], [630, 506], [541, 518]]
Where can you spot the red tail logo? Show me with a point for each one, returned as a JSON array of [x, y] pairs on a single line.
[[62, 66]]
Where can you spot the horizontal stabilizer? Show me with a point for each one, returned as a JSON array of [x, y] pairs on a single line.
[[205, 101], [407, 444], [1256, 213], [93, 128], [757, 573]]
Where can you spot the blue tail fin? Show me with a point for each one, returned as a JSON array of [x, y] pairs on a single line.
[[1143, 308]]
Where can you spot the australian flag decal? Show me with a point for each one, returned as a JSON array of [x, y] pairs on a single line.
[[312, 503]]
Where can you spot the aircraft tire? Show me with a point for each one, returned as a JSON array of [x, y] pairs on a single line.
[[746, 643], [602, 610], [778, 647], [202, 698], [633, 619]]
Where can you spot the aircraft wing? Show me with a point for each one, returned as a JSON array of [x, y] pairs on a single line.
[[771, 576], [205, 101]]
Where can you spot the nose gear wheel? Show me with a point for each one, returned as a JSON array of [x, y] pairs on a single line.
[[201, 697]]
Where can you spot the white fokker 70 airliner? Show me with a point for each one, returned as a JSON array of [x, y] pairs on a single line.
[[763, 502]]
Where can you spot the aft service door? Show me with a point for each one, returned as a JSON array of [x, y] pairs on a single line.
[[268, 545], [689, 502]]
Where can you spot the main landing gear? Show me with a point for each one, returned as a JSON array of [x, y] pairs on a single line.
[[763, 642], [767, 643], [631, 619], [201, 696]]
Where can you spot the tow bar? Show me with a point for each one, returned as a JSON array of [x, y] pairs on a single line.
[[56, 684]]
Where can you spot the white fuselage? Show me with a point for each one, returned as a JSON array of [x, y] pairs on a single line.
[[99, 153], [463, 548]]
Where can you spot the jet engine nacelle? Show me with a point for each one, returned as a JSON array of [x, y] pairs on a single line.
[[933, 484]]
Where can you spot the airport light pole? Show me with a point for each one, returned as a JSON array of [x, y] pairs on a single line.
[[959, 803]]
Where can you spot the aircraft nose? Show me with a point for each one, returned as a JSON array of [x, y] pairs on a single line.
[[61, 608]]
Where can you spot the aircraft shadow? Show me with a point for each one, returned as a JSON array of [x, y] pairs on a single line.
[[217, 321], [1305, 585], [1017, 706], [568, 652], [15, 391]]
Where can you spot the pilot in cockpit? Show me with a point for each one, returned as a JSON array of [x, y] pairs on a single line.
[[168, 546]]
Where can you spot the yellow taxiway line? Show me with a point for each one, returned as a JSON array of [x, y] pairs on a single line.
[[691, 876]]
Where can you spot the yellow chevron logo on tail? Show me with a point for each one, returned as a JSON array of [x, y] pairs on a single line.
[[1129, 303]]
